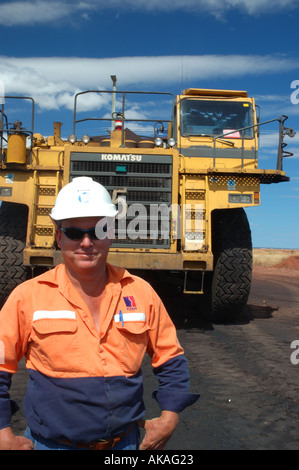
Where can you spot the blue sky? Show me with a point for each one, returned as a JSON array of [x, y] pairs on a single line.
[[51, 50]]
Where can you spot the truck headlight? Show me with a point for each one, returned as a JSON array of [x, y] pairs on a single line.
[[240, 198], [6, 192], [85, 139], [171, 142], [72, 138]]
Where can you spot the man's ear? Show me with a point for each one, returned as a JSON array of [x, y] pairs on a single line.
[[58, 236], [57, 225]]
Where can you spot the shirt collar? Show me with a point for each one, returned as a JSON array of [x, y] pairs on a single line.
[[57, 276]]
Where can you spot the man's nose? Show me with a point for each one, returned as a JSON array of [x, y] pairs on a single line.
[[86, 240]]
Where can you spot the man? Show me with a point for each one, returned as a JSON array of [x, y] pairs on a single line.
[[84, 328]]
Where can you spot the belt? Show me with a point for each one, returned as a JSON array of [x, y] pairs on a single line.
[[100, 444]]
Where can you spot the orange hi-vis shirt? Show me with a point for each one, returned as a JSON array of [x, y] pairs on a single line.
[[86, 384]]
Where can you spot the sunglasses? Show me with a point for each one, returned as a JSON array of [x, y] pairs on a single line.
[[75, 233]]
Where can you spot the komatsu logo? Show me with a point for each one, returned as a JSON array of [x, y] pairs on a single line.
[[119, 157]]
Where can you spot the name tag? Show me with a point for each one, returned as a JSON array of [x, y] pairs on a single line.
[[124, 317], [54, 314]]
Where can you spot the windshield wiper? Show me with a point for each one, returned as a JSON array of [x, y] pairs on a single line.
[[231, 144]]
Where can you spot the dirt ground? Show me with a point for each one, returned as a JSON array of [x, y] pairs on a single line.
[[248, 384]]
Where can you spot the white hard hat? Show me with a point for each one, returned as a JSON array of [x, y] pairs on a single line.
[[83, 197]]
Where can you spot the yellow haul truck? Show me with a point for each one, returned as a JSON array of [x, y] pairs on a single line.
[[180, 196]]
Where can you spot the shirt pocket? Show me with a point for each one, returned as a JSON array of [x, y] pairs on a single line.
[[55, 344], [133, 340]]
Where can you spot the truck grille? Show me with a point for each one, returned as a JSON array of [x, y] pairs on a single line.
[[145, 185]]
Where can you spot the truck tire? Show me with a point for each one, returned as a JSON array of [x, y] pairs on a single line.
[[13, 225], [232, 248]]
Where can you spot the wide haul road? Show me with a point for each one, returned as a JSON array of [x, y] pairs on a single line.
[[247, 372]]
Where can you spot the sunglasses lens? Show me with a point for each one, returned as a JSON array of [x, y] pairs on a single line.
[[74, 233], [92, 234]]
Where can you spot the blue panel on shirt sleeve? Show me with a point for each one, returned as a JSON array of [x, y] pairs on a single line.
[[7, 406], [173, 393]]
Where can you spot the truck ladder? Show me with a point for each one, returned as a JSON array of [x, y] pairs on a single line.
[[42, 231]]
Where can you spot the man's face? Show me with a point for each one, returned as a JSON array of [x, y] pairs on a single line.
[[86, 253]]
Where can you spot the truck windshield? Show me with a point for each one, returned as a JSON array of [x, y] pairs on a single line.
[[212, 118]]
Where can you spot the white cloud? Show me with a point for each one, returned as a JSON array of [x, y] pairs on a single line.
[[53, 81], [268, 139], [30, 12], [272, 98], [216, 7], [259, 6], [269, 142]]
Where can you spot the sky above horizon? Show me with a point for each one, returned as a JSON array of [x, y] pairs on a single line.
[[52, 50]]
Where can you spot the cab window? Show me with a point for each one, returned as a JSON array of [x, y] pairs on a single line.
[[214, 118]]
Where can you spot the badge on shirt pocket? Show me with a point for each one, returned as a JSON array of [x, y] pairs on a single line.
[[133, 331]]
